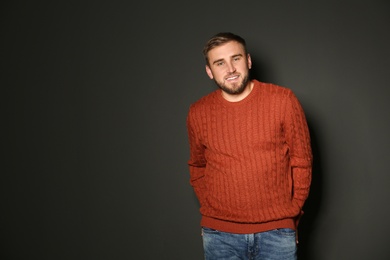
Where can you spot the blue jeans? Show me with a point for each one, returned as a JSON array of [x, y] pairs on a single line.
[[278, 244]]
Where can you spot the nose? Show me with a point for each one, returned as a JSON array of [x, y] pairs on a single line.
[[231, 67]]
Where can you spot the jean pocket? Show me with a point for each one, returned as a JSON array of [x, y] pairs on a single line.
[[209, 230], [286, 232]]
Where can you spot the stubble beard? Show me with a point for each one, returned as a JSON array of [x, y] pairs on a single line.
[[236, 89]]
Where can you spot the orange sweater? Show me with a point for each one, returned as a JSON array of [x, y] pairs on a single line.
[[250, 161]]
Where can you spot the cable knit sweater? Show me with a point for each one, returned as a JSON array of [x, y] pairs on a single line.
[[250, 161]]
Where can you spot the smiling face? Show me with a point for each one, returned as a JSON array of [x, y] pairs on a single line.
[[229, 67]]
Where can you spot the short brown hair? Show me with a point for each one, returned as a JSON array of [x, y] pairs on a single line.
[[220, 39]]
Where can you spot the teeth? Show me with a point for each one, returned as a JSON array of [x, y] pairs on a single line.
[[234, 77]]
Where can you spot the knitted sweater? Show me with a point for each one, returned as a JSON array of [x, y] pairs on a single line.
[[250, 161]]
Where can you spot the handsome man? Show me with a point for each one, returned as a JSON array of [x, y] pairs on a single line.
[[250, 159]]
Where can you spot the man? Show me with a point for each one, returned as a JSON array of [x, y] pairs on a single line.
[[250, 159]]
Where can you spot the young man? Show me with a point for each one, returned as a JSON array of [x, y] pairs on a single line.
[[250, 159]]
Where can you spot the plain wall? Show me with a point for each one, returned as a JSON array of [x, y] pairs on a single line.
[[95, 98]]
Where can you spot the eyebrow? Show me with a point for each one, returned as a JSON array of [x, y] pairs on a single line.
[[233, 56]]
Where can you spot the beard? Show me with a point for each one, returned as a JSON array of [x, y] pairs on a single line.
[[236, 88]]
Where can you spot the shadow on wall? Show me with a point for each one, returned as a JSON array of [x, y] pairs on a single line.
[[313, 204], [260, 70]]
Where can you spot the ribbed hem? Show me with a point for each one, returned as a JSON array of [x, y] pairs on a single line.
[[244, 228]]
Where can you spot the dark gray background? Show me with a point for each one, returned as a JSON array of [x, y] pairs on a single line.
[[95, 96]]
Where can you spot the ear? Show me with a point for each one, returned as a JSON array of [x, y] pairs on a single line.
[[209, 72], [249, 61]]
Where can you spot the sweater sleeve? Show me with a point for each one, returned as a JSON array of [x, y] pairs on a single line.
[[197, 161], [298, 141]]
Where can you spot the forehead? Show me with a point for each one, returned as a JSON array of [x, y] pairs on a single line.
[[226, 50]]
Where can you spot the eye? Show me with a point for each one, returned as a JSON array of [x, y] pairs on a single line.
[[236, 58], [220, 63]]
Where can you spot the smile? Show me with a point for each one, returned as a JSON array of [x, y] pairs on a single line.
[[232, 77]]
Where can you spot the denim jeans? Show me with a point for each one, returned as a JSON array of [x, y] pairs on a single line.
[[278, 244]]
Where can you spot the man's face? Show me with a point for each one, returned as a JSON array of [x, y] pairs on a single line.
[[229, 67]]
